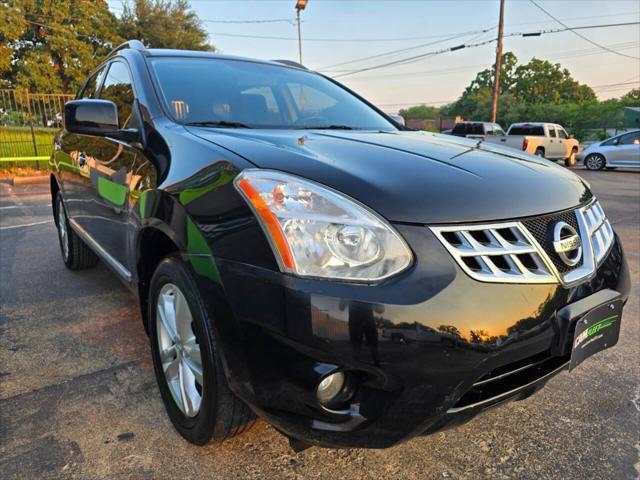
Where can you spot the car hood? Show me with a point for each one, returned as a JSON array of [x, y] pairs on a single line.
[[413, 177]]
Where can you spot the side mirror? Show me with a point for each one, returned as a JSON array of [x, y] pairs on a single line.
[[91, 117], [97, 118]]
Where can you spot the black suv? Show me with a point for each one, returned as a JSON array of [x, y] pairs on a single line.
[[301, 257]]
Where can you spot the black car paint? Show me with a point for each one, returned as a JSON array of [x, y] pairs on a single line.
[[277, 332]]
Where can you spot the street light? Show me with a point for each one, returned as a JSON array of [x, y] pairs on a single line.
[[300, 5]]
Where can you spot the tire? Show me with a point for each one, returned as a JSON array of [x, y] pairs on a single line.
[[197, 398], [539, 152], [76, 254], [595, 161], [571, 160]]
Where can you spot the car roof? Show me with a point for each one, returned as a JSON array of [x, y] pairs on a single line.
[[166, 52]]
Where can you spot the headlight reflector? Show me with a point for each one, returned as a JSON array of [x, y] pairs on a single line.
[[318, 232]]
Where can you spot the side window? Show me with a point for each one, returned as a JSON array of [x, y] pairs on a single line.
[[630, 139], [489, 129], [497, 130], [562, 133], [91, 88], [552, 131], [118, 88]]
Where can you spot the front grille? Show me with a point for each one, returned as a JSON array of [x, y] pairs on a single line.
[[599, 229], [542, 230], [496, 253], [523, 251]]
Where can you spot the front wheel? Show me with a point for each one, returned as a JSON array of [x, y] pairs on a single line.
[[186, 359], [595, 161], [570, 161]]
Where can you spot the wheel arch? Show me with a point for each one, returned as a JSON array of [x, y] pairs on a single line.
[[155, 242]]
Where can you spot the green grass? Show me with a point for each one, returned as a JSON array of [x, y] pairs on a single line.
[[18, 142]]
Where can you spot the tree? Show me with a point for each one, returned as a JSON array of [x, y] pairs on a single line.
[[421, 111], [631, 99], [51, 46], [484, 78], [164, 24], [538, 82]]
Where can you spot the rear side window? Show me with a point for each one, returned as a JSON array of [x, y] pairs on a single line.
[[553, 133], [118, 88], [528, 130]]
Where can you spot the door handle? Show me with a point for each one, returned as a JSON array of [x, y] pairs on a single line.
[[503, 139], [82, 159]]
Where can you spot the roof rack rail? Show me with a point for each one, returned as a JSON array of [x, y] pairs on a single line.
[[291, 63], [134, 44]]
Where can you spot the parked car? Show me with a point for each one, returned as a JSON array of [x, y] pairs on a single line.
[[620, 151], [547, 140], [272, 224], [477, 130]]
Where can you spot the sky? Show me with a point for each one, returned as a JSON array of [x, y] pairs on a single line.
[[338, 31]]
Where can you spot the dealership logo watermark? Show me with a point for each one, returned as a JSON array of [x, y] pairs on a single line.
[[594, 329]]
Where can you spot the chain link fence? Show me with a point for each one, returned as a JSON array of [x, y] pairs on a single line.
[[28, 124]]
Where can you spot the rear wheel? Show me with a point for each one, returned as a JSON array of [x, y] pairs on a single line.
[[595, 161], [539, 152], [75, 253], [187, 362]]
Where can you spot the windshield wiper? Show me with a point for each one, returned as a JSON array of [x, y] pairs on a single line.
[[219, 123], [327, 127]]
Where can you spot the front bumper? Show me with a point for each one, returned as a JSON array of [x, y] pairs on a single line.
[[416, 344]]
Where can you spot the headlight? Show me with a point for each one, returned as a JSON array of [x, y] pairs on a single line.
[[317, 232]]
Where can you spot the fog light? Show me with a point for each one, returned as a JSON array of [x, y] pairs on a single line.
[[331, 389]]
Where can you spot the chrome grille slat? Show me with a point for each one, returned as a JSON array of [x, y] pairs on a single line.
[[500, 259], [486, 254]]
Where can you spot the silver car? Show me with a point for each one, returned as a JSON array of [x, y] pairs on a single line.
[[620, 151]]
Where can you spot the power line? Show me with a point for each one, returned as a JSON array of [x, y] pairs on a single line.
[[479, 44], [401, 50], [573, 30], [556, 55]]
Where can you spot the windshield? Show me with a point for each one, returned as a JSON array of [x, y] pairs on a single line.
[[236, 93]]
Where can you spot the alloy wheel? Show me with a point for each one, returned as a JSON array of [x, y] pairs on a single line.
[[62, 230], [179, 350], [595, 162]]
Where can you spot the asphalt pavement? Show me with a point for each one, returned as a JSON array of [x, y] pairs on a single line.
[[78, 398]]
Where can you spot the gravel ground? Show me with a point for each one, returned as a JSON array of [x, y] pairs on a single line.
[[78, 397]]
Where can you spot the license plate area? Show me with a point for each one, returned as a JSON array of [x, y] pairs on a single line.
[[595, 331]]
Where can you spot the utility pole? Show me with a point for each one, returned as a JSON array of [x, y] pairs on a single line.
[[496, 75], [300, 5]]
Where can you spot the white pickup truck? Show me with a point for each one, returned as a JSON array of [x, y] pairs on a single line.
[[547, 140]]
